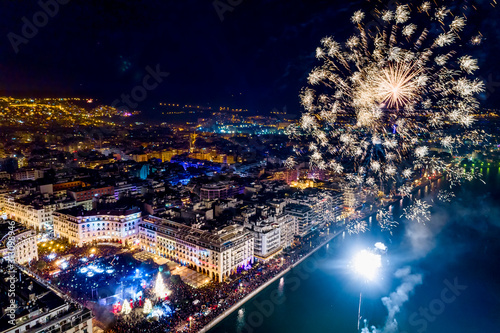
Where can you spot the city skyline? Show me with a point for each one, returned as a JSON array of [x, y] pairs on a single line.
[[249, 166]]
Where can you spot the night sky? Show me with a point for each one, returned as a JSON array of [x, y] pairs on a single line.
[[257, 57]]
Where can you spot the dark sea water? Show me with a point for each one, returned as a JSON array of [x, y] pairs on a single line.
[[456, 255]]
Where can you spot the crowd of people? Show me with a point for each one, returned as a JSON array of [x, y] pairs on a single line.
[[187, 309], [100, 285], [46, 265], [195, 308]]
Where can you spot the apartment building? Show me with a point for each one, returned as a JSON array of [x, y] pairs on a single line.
[[83, 194], [304, 216], [28, 174], [289, 228], [267, 237], [219, 191], [81, 227], [34, 210], [217, 253], [17, 243]]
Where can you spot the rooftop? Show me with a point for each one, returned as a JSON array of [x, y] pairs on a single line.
[[33, 298], [38, 201], [117, 211], [88, 188], [218, 238], [297, 208], [10, 225]]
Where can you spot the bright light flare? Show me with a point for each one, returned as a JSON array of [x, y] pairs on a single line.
[[367, 264], [397, 85]]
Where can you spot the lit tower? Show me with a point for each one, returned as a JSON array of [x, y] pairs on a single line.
[[192, 141]]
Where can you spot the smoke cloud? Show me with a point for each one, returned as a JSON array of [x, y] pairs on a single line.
[[396, 299], [467, 213]]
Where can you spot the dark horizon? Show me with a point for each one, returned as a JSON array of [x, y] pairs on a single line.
[[253, 55]]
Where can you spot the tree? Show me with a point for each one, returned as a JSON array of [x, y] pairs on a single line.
[[148, 307], [126, 309], [40, 265], [160, 289]]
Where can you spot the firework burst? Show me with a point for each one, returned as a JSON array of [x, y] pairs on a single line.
[[386, 220], [355, 227], [418, 211], [445, 196], [457, 174], [374, 97]]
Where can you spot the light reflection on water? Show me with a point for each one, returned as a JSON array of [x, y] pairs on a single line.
[[240, 320], [281, 287]]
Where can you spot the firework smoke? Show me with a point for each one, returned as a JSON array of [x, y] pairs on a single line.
[[396, 299]]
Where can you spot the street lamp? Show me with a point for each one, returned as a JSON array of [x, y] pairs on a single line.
[[366, 264]]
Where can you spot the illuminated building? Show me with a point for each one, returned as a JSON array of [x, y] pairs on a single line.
[[167, 155], [82, 227], [28, 174], [123, 188], [219, 191], [34, 211], [139, 157], [352, 198], [304, 216], [303, 183], [24, 248], [267, 237], [69, 185], [83, 194], [289, 228], [326, 206], [164, 155], [139, 171], [273, 230], [216, 254]]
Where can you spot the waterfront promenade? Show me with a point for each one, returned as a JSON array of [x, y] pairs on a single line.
[[255, 292], [362, 216]]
